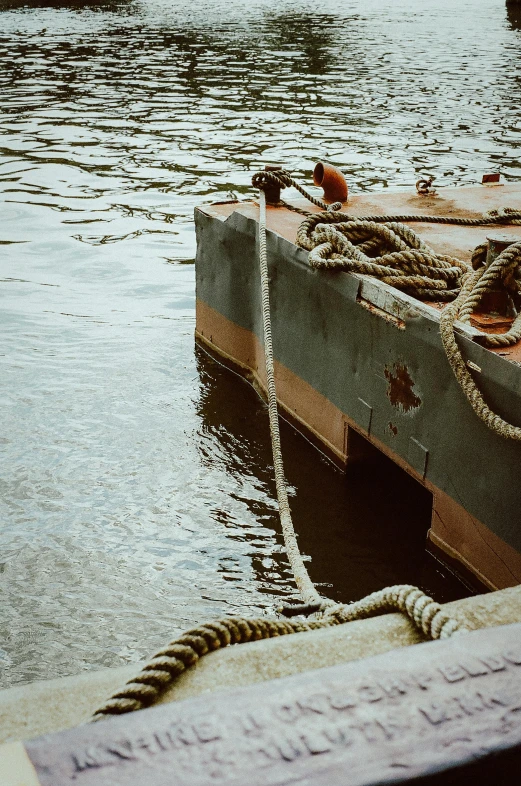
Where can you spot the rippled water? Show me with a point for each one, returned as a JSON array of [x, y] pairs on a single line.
[[136, 490]]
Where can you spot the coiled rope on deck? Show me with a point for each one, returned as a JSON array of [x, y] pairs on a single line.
[[384, 247], [390, 251]]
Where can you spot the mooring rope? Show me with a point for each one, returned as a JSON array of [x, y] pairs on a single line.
[[283, 179], [305, 585], [384, 247], [169, 663], [475, 285]]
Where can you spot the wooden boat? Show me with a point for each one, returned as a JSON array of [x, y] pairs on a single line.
[[360, 363]]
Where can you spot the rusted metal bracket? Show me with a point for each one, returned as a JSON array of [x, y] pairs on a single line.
[[424, 186]]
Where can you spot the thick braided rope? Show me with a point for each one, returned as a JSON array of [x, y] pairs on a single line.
[[170, 662], [399, 257], [166, 666], [426, 615], [469, 297], [505, 216], [302, 580]]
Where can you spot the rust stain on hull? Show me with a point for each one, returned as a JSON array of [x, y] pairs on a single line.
[[400, 389]]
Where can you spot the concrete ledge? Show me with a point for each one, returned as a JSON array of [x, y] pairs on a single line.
[[30, 710]]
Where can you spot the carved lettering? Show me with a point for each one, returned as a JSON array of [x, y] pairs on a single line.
[[290, 747], [316, 742], [458, 707], [475, 668], [316, 703], [491, 700], [494, 662], [342, 701], [288, 712], [149, 744], [471, 703], [185, 734], [206, 731], [392, 726], [122, 750], [251, 725], [90, 757], [394, 688], [340, 734], [452, 672], [423, 681], [513, 655], [370, 731], [163, 740], [371, 693], [435, 713]]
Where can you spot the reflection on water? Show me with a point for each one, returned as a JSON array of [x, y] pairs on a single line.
[[374, 542], [514, 15], [136, 490]]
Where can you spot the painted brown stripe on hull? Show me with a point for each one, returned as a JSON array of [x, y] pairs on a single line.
[[460, 536]]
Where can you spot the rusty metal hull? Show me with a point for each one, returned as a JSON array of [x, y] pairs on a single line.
[[353, 354]]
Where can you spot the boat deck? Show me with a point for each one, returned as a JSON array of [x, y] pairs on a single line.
[[458, 241]]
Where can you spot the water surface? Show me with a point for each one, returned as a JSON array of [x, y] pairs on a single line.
[[136, 487]]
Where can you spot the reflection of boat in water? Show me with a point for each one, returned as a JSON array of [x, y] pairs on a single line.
[[514, 14], [375, 541], [359, 362]]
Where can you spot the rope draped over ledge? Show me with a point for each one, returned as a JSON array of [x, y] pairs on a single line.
[[384, 247], [166, 666]]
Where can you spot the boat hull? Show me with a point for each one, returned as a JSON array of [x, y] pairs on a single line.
[[356, 357]]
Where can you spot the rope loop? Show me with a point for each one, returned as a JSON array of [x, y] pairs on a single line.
[[390, 251], [384, 247], [283, 179]]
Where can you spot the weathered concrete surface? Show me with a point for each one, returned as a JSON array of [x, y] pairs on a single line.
[[42, 707], [397, 716]]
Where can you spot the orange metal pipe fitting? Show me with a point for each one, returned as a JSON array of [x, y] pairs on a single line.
[[332, 181]]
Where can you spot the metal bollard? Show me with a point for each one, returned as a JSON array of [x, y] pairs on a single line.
[[272, 192], [498, 302], [497, 243]]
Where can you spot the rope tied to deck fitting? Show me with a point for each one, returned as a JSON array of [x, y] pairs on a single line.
[[395, 254], [166, 666], [505, 270], [284, 179]]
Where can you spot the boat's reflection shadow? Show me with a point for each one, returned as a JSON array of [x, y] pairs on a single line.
[[514, 15], [363, 530]]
